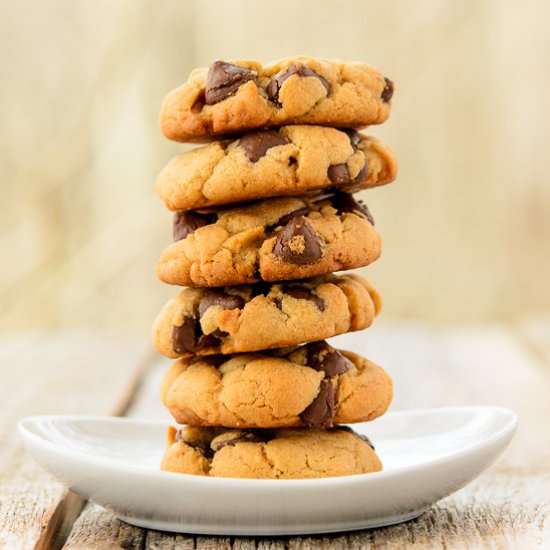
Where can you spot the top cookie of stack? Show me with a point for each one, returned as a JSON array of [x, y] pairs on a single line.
[[234, 97]]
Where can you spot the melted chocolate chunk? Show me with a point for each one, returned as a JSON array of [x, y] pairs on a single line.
[[189, 337], [261, 288], [256, 144], [344, 202], [338, 174], [320, 413], [354, 137], [322, 357], [186, 223], [287, 217], [297, 243], [184, 339], [276, 82], [219, 298], [360, 436], [365, 439], [202, 446], [363, 173], [387, 92], [243, 437], [303, 293], [208, 341], [223, 80]]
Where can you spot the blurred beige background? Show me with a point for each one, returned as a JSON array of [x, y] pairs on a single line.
[[466, 227]]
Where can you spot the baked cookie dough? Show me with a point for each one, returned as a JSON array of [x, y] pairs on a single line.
[[314, 385], [272, 240], [292, 160], [232, 97], [269, 454], [244, 318]]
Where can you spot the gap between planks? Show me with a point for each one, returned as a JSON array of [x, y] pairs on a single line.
[[69, 508]]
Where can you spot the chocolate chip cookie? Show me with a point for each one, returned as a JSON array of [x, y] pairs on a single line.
[[314, 385], [232, 97], [244, 318], [269, 454], [290, 161], [271, 240]]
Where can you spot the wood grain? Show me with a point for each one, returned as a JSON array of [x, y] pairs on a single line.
[[76, 372], [495, 511], [507, 507]]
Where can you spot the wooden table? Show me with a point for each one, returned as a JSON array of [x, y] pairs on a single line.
[[90, 373]]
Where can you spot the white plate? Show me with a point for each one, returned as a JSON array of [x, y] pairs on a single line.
[[427, 455]]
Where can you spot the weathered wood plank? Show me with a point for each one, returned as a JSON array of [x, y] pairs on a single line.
[[78, 372], [99, 529], [505, 507]]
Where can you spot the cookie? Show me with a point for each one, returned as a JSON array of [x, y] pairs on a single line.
[[244, 318], [315, 386], [288, 161], [269, 454], [272, 240], [232, 97]]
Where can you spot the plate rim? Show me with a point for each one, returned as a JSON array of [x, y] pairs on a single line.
[[29, 438]]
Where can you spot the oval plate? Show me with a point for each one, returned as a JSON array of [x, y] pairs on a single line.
[[427, 455]]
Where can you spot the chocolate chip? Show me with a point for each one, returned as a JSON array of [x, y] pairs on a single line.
[[362, 175], [256, 144], [387, 92], [262, 288], [287, 217], [188, 338], [297, 243], [303, 293], [184, 339], [320, 413], [207, 341], [338, 174], [223, 80], [365, 439], [276, 82], [230, 440], [344, 202], [354, 137], [202, 446], [360, 436], [322, 357], [186, 223], [219, 298]]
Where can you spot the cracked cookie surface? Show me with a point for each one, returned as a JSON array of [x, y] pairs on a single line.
[[313, 385], [236, 319], [291, 160], [232, 97], [271, 240], [269, 454]]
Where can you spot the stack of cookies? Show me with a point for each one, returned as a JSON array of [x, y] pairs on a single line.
[[263, 218]]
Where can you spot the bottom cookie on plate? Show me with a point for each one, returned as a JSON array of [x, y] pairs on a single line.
[[292, 453]]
